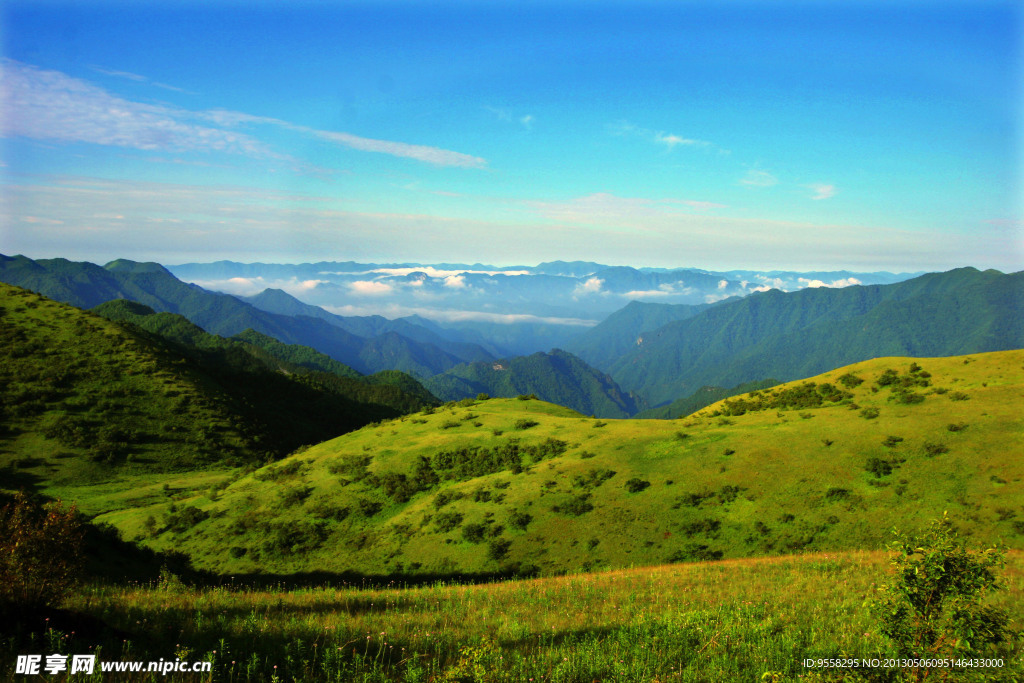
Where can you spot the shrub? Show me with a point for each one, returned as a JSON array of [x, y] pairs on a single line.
[[525, 424], [910, 397], [497, 549], [891, 441], [40, 558], [446, 521], [878, 467], [520, 520], [850, 381], [592, 478], [185, 518], [483, 397], [295, 495], [368, 508], [957, 427], [729, 493], [934, 605], [445, 497], [295, 538], [933, 449], [575, 506], [636, 485], [695, 552], [836, 493], [869, 413], [475, 532]]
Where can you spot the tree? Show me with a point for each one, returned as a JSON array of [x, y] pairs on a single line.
[[934, 606], [40, 553]]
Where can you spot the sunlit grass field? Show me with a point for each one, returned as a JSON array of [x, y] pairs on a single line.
[[734, 620]]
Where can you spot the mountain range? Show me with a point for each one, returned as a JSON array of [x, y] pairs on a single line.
[[641, 358]]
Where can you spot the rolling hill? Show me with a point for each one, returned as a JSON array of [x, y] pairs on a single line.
[[827, 463]]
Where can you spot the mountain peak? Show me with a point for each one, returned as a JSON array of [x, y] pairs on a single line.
[[126, 266]]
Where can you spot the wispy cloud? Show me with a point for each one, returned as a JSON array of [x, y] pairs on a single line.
[[508, 116], [137, 78], [669, 140], [823, 191], [755, 178], [49, 105], [430, 155]]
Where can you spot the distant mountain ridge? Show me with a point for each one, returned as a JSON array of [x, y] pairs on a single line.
[[796, 334], [557, 377]]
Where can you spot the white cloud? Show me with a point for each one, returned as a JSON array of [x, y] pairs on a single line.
[[370, 287], [646, 293], [845, 282], [591, 286], [722, 284], [822, 191], [526, 120], [756, 178], [455, 281], [771, 282], [307, 285]]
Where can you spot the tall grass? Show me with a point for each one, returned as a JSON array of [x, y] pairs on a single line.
[[731, 620]]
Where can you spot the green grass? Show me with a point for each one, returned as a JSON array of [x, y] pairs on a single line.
[[766, 482], [731, 620]]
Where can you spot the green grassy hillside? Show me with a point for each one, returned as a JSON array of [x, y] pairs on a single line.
[[85, 400], [502, 485]]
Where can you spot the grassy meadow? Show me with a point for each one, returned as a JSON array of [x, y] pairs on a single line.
[[735, 620]]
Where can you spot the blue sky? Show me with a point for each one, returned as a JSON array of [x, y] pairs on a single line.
[[825, 135]]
